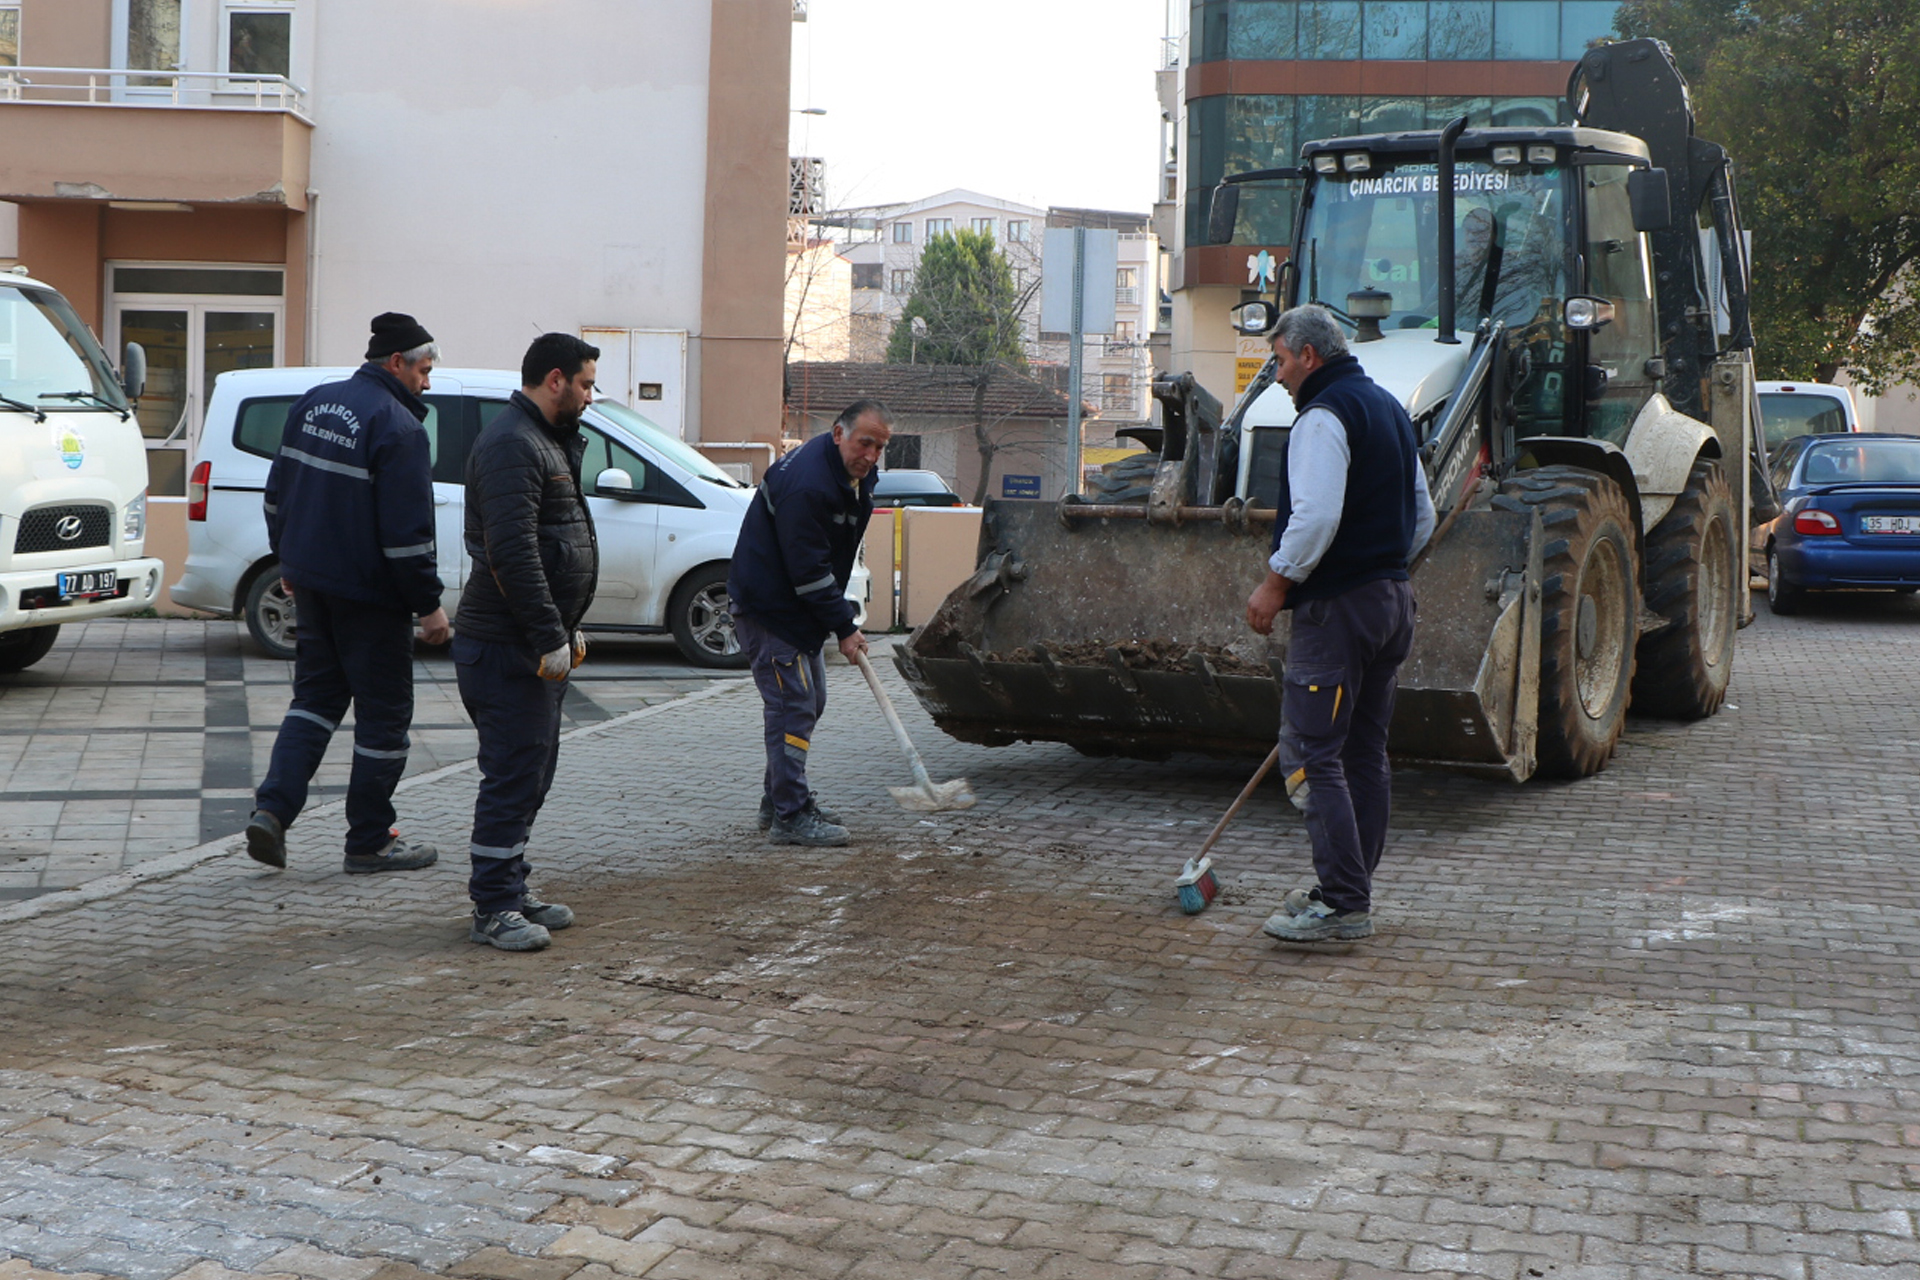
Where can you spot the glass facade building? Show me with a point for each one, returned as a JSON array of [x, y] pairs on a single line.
[[1265, 76]]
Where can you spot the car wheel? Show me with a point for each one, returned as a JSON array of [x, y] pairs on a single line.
[[269, 614], [21, 649], [1783, 597], [701, 621]]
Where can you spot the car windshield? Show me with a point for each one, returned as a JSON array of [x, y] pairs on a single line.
[[1379, 230], [47, 357], [1862, 461], [678, 451], [1798, 413]]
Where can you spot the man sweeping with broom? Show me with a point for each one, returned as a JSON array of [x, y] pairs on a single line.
[[1354, 508], [787, 590]]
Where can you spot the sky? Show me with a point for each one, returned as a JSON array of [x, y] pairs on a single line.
[[1045, 102]]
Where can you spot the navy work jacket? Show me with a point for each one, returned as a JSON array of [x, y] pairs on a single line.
[[797, 546], [349, 498]]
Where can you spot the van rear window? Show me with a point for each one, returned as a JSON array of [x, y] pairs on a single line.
[[257, 428]]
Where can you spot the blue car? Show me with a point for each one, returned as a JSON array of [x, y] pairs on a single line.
[[1850, 518]]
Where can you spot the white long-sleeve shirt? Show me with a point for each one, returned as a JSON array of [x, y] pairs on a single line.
[[1317, 461]]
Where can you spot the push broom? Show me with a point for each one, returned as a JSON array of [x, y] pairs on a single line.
[[925, 795], [1197, 886]]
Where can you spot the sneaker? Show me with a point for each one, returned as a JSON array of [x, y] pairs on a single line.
[[1298, 900], [1319, 922], [813, 803], [399, 855], [267, 839], [548, 915], [807, 827], [509, 931]]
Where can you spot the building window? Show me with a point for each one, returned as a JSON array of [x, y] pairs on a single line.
[[1526, 30], [902, 283], [1116, 392], [1123, 331], [903, 233], [256, 38], [1399, 30], [10, 34], [939, 227], [983, 227], [1017, 231], [1019, 278], [867, 275], [1126, 287]]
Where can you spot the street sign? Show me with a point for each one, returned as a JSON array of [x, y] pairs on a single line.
[[1019, 486]]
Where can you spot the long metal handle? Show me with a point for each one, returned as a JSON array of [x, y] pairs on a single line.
[[893, 719], [1266, 766]]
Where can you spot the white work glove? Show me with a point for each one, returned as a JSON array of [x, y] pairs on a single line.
[[555, 665], [579, 647]]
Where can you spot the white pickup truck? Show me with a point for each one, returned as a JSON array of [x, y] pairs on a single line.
[[73, 476]]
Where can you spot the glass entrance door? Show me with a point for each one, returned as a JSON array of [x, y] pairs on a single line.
[[189, 344]]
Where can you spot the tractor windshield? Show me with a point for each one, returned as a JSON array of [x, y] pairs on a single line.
[[1380, 229]]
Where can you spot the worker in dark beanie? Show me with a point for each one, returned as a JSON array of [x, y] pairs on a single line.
[[349, 506]]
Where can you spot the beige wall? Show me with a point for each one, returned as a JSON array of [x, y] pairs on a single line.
[[883, 536], [65, 33], [746, 221]]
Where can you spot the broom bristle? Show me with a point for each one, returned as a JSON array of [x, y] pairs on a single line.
[[957, 794]]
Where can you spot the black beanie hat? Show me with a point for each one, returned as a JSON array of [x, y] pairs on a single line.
[[394, 332]]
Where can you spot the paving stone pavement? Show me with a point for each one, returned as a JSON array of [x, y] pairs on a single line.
[[135, 738], [1657, 1023]]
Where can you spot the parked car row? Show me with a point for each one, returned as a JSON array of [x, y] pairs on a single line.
[[667, 516], [1850, 516]]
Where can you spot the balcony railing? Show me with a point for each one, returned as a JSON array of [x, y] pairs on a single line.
[[119, 86]]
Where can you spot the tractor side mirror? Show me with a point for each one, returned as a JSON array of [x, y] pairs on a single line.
[[1647, 194], [1223, 213]]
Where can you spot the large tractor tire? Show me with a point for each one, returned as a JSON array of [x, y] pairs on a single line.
[[1128, 479], [1693, 577], [1590, 610]]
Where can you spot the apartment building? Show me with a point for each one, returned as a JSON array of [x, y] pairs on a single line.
[[241, 183]]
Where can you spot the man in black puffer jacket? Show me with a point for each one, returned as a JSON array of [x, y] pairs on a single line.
[[534, 565]]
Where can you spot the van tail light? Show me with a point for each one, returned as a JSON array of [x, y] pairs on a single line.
[[1815, 523], [197, 491]]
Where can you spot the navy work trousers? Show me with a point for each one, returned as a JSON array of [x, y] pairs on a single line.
[[1342, 669], [793, 694], [517, 715], [346, 653]]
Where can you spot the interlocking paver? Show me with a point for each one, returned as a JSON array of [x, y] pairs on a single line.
[[1599, 1036]]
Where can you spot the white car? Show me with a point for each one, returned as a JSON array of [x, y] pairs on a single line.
[[666, 516], [1792, 409]]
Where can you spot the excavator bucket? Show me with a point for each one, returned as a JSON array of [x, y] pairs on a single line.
[[1118, 634]]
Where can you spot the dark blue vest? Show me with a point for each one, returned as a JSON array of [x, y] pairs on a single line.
[[1377, 516]]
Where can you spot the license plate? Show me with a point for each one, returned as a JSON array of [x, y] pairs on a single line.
[[93, 582], [1890, 524]]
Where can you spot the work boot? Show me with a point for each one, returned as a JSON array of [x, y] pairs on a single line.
[[508, 930], [267, 840], [813, 803], [548, 915], [808, 827], [399, 855], [1318, 921]]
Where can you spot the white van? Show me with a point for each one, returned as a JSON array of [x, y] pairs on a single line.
[[73, 476], [1790, 409], [667, 517]]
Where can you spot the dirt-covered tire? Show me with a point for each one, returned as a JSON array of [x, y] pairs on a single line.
[[1590, 613], [21, 649], [701, 621], [1693, 580], [269, 612], [1128, 479], [1783, 598]]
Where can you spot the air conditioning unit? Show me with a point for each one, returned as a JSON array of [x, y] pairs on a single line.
[[741, 471]]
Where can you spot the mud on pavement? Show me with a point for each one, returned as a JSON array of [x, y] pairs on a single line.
[[1600, 1035]]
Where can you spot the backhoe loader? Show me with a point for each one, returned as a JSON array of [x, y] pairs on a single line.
[[1563, 312]]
